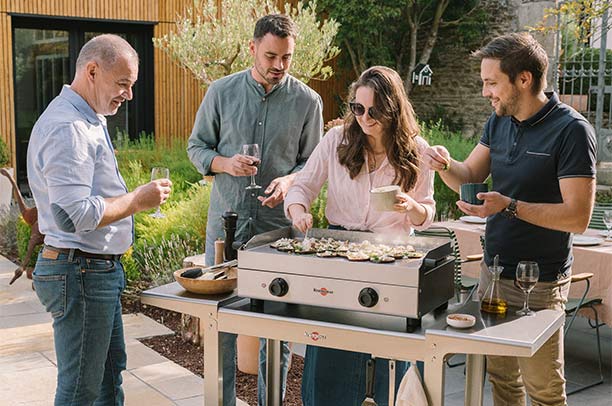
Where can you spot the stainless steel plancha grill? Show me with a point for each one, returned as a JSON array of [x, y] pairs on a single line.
[[408, 288]]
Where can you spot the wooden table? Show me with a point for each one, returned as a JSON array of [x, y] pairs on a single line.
[[596, 260]]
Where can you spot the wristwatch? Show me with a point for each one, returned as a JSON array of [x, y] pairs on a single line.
[[510, 211]]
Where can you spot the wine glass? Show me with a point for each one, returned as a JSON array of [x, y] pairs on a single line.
[[252, 151], [159, 173], [527, 275], [607, 219]]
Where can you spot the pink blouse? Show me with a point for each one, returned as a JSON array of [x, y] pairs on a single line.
[[348, 200]]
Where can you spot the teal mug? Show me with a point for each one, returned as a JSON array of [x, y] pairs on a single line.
[[468, 192]]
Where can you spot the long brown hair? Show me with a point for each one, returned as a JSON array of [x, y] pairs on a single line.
[[399, 127]]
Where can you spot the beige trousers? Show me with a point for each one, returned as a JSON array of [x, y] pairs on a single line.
[[542, 375]]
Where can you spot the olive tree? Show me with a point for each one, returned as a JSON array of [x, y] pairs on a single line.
[[213, 43]]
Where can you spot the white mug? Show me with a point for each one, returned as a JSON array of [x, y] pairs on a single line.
[[384, 198]]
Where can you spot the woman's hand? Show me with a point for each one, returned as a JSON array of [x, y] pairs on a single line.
[[302, 220], [404, 203]]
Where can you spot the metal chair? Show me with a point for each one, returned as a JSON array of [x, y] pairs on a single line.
[[596, 221], [572, 307]]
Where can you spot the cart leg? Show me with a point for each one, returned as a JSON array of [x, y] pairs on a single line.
[[474, 379], [274, 387], [213, 361], [412, 324], [257, 305], [434, 378]]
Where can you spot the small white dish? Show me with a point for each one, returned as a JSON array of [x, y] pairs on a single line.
[[460, 320], [586, 241], [603, 233], [473, 219]]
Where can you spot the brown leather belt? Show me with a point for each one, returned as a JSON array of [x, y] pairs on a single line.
[[78, 253]]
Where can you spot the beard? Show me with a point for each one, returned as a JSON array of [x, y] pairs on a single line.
[[267, 75], [510, 106]]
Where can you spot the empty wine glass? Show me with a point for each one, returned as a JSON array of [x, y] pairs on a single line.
[[527, 275], [159, 173], [607, 219], [252, 151]]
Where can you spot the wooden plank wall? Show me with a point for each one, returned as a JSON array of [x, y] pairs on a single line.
[[7, 105], [177, 93], [141, 10]]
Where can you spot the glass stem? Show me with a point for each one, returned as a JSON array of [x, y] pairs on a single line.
[[252, 180], [158, 211], [526, 305]]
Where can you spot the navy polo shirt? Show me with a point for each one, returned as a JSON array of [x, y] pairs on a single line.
[[527, 160]]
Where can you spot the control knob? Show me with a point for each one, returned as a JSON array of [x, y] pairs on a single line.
[[368, 297], [279, 287]]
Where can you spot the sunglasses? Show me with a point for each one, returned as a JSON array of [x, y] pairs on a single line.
[[359, 110]]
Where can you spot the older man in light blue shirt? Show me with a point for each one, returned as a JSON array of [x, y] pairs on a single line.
[[85, 211], [69, 186]]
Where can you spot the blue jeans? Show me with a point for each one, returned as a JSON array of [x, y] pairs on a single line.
[[83, 297], [261, 371], [336, 377]]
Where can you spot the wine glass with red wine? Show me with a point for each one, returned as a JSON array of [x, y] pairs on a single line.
[[252, 151]]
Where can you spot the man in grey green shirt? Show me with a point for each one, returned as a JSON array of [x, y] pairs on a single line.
[[262, 105]]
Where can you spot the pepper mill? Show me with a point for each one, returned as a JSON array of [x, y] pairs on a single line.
[[229, 225]]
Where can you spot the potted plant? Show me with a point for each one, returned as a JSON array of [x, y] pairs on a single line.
[[5, 184]]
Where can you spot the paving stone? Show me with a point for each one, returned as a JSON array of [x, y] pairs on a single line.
[[171, 379]]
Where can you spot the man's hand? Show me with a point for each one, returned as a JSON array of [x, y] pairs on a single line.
[[494, 202], [152, 194], [238, 165], [277, 190], [437, 158]]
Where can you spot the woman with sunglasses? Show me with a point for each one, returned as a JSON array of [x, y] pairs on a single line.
[[377, 145]]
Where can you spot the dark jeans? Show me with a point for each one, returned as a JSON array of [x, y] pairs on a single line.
[[335, 377], [83, 297]]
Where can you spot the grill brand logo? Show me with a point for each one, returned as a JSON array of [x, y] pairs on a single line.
[[315, 336], [323, 291]]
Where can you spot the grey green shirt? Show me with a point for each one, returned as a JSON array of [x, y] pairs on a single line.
[[287, 124]]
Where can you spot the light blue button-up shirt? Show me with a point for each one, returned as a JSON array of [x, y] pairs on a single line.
[[71, 169]]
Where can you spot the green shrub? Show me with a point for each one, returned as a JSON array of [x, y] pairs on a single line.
[[181, 233], [603, 196], [157, 261], [9, 216], [136, 158], [317, 209], [4, 153], [23, 237]]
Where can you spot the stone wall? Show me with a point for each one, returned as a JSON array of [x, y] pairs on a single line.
[[456, 87]]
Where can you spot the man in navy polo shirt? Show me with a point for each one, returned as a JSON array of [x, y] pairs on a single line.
[[541, 156]]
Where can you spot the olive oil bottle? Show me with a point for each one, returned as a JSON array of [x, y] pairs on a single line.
[[493, 301]]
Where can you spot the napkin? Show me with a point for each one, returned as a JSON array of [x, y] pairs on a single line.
[[411, 392]]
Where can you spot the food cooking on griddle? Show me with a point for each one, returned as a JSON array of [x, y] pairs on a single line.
[[354, 251]]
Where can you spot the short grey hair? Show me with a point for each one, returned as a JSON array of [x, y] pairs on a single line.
[[105, 49]]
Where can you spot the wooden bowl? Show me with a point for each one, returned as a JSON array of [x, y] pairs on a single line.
[[206, 287]]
